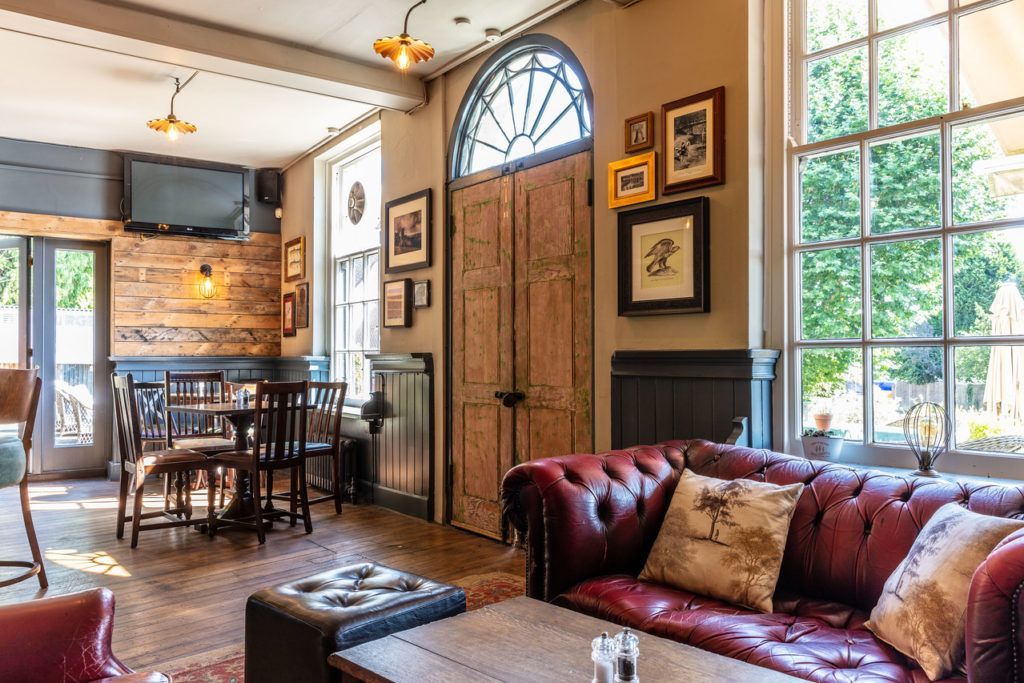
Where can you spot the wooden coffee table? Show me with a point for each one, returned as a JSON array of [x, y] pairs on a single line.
[[526, 640]]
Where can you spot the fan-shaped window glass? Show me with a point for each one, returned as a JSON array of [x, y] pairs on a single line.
[[530, 103]]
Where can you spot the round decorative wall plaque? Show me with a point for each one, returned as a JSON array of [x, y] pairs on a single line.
[[356, 202]]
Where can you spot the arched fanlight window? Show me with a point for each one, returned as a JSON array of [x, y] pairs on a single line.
[[531, 99]]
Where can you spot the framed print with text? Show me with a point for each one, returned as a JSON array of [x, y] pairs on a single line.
[[295, 259], [398, 303]]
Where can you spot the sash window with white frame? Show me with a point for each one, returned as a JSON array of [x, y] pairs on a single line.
[[355, 273], [906, 219]]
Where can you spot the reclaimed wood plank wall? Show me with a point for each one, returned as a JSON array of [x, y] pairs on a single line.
[[156, 309]]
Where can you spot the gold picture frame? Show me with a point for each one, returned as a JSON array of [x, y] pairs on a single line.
[[632, 180], [295, 259]]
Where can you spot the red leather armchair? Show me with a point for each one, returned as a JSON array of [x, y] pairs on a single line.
[[589, 521], [64, 640]]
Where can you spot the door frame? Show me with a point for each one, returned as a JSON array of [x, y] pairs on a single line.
[[453, 184], [43, 254]]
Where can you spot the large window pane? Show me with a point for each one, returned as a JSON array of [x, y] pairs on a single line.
[[837, 95], [988, 170], [358, 271], [75, 297], [833, 22], [991, 64], [830, 196], [902, 377], [906, 187], [988, 268], [906, 289], [831, 305], [990, 398], [913, 75], [832, 381], [341, 282], [892, 13]]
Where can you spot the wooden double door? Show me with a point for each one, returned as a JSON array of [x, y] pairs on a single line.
[[522, 329]]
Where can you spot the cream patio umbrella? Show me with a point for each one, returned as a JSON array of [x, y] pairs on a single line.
[[1004, 386]]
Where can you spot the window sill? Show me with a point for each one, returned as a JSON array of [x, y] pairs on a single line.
[[956, 466]]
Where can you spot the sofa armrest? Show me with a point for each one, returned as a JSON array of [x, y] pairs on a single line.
[[66, 638], [582, 516], [995, 612]]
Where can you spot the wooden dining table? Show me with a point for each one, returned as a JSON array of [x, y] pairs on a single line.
[[241, 419]]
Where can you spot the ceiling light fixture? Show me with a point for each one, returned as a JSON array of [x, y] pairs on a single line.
[[171, 126], [404, 50], [492, 35]]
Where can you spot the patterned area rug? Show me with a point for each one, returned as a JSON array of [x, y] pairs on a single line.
[[481, 590]]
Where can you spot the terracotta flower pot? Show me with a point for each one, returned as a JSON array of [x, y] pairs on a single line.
[[823, 421]]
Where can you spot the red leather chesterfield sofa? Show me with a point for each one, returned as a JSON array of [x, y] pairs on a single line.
[[588, 522], [63, 640]]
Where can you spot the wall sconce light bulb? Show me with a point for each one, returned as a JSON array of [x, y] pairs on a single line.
[[207, 289]]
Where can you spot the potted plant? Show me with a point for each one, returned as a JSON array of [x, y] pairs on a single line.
[[822, 416], [823, 443]]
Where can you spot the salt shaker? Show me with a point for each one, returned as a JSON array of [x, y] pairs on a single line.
[[627, 651], [603, 654]]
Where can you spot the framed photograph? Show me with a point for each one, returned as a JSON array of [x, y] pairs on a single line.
[[694, 137], [302, 305], [639, 132], [407, 233], [421, 294], [295, 259], [664, 254], [288, 314], [398, 303], [631, 181]]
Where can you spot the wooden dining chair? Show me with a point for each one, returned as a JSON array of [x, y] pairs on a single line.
[[137, 464], [152, 414], [190, 431], [279, 443], [323, 439], [19, 399]]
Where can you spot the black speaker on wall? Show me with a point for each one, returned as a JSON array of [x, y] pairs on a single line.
[[268, 186]]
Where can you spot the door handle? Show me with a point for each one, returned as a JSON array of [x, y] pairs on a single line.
[[509, 398]]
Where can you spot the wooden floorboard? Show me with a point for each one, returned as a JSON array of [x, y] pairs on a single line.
[[181, 596]]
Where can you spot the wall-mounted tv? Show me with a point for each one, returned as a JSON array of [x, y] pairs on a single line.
[[168, 195]]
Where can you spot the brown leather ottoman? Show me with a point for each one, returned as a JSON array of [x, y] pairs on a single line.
[[291, 629]]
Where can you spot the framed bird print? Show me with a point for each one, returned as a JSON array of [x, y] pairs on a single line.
[[664, 254]]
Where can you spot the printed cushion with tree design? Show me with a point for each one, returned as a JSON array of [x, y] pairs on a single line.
[[724, 539], [924, 602]]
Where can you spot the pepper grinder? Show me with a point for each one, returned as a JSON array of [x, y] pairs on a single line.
[[602, 652], [628, 649]]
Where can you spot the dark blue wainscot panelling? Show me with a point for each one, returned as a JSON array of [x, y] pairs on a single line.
[[660, 395]]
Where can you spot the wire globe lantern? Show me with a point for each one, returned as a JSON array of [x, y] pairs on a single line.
[[927, 428]]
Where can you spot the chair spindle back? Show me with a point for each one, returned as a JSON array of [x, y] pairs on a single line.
[[190, 388], [325, 403], [280, 414], [126, 416], [152, 419]]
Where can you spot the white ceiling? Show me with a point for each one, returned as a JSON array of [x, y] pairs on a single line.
[[66, 93], [348, 28]]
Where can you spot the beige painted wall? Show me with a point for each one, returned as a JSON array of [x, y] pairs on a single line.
[[636, 60]]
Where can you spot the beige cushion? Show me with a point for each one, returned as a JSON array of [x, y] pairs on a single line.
[[924, 602], [724, 539]]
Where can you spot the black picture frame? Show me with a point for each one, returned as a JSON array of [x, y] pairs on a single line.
[[397, 288], [418, 287], [698, 208], [418, 258]]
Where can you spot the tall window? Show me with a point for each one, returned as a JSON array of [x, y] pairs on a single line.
[[355, 246], [907, 226], [532, 100]]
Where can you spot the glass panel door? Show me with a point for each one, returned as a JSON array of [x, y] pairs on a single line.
[[71, 279], [14, 299]]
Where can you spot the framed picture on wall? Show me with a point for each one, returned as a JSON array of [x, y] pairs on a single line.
[[302, 305], [288, 314], [407, 232], [421, 294], [693, 129], [631, 181], [398, 303], [664, 254], [295, 259], [639, 132]]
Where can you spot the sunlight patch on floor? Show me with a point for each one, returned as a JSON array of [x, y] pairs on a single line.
[[99, 562]]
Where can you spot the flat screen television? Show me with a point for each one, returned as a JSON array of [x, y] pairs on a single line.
[[185, 197]]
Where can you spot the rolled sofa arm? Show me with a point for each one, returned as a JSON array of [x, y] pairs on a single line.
[[582, 516], [66, 638], [994, 628]]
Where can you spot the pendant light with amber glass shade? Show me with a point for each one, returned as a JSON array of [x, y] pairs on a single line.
[[404, 50], [171, 126]]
